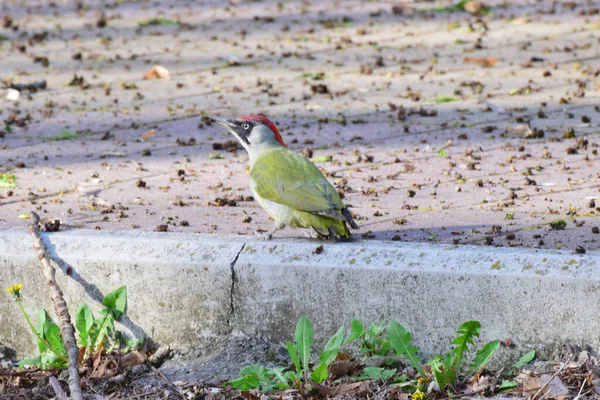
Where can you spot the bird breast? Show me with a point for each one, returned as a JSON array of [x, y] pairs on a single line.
[[281, 213]]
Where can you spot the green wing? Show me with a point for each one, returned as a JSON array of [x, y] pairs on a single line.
[[288, 178]]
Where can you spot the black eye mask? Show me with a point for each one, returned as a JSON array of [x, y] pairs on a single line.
[[244, 129]]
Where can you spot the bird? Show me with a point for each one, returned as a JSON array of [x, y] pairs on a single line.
[[289, 187]]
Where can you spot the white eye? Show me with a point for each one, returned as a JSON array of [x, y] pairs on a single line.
[[246, 127]]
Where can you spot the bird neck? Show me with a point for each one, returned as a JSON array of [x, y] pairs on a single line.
[[256, 151]]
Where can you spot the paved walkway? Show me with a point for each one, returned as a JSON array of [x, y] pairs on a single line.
[[426, 143]]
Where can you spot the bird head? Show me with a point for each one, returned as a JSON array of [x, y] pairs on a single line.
[[252, 130]]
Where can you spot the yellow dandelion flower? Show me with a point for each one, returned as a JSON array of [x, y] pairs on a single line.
[[418, 395], [422, 381], [15, 290]]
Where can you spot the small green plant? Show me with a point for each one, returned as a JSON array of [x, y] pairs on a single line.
[[510, 384], [301, 349], [377, 374], [442, 153], [64, 135], [447, 369], [261, 378], [558, 225], [372, 341], [444, 99], [50, 344], [525, 359], [8, 181], [94, 334], [400, 340], [321, 159]]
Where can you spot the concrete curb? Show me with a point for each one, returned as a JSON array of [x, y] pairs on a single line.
[[184, 289]]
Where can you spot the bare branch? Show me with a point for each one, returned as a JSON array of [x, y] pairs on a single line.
[[60, 306]]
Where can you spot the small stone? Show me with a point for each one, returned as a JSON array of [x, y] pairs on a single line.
[[530, 182], [307, 152], [162, 228]]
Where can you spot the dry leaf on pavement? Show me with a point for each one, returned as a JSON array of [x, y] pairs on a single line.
[[555, 389], [341, 368], [131, 359], [485, 62], [157, 72], [474, 6], [148, 135], [347, 389], [402, 9], [519, 21]]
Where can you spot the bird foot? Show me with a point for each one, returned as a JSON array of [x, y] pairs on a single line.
[[309, 234]]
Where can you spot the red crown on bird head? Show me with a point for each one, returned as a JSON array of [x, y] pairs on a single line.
[[263, 119]]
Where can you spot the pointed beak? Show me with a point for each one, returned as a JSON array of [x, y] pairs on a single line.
[[225, 123], [231, 127]]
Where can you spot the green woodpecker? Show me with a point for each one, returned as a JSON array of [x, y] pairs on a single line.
[[290, 188]]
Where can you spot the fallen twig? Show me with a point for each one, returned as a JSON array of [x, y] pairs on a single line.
[[21, 372], [32, 87], [118, 379], [167, 381], [563, 366], [60, 306], [580, 390], [60, 393]]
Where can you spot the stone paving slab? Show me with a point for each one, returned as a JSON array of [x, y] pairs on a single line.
[[473, 173]]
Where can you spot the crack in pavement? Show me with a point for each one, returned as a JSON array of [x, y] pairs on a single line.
[[233, 279]]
